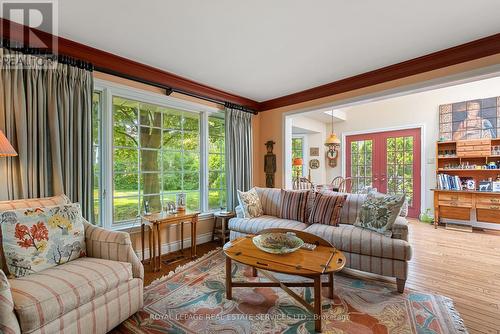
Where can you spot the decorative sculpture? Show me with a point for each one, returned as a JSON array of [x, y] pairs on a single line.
[[270, 164]]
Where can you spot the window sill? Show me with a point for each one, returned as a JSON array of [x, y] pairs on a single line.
[[135, 227]]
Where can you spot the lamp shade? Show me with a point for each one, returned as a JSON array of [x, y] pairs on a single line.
[[297, 162], [6, 149], [332, 140]]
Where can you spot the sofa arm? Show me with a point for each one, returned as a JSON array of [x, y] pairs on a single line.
[[112, 245], [8, 320], [400, 229], [239, 211]]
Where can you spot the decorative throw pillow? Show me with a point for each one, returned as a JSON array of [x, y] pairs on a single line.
[[379, 212], [250, 203], [40, 238], [326, 209], [294, 205]]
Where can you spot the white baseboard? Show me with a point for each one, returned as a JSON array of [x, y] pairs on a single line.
[[176, 245]]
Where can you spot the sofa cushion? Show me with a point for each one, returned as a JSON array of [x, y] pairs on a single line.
[[255, 225], [326, 209], [270, 198], [45, 296], [250, 203], [294, 204], [352, 239], [351, 208]]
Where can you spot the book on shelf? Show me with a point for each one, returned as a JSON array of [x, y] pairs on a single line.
[[449, 182]]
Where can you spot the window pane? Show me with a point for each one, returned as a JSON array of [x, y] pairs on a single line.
[[150, 183], [193, 200], [154, 202], [172, 161], [216, 163], [125, 135], [125, 111], [125, 184], [191, 141], [150, 115], [150, 160], [125, 160], [150, 137], [172, 181], [172, 119], [125, 209], [191, 181], [191, 122], [172, 139], [191, 161]]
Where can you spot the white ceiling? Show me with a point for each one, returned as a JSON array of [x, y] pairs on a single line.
[[263, 49]]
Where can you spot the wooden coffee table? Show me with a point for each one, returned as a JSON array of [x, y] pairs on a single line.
[[323, 260]]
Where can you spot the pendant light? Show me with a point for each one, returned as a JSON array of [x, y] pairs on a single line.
[[332, 139]]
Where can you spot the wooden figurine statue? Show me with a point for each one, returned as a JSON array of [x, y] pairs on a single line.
[[270, 164]]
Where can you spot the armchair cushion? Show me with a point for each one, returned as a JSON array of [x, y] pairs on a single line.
[[42, 297], [112, 245], [8, 320]]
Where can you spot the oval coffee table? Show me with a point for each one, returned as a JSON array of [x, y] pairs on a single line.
[[323, 260]]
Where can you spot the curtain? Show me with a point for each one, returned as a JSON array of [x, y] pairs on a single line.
[[46, 115], [238, 154]]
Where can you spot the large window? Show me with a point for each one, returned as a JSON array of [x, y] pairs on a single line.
[[96, 155], [155, 147]]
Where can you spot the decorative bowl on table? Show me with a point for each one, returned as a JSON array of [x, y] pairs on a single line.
[[278, 243]]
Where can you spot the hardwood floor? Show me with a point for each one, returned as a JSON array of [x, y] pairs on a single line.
[[463, 266]]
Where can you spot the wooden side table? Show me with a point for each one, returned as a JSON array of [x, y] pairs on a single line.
[[221, 232], [155, 221]]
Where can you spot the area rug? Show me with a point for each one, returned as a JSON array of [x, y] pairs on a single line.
[[192, 300]]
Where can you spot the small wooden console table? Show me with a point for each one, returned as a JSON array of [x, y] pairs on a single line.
[[155, 221], [323, 260]]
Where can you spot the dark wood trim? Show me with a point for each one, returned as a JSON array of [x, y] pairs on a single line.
[[102, 59], [480, 48]]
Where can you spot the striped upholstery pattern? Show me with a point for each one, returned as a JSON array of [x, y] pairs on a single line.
[[293, 205], [270, 198], [351, 208], [377, 265], [112, 245], [45, 296], [8, 320], [34, 203], [326, 209], [255, 225], [358, 240], [102, 314]]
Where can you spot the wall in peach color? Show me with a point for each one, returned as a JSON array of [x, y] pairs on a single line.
[[271, 122]]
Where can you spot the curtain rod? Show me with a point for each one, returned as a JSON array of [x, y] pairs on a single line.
[[170, 90]]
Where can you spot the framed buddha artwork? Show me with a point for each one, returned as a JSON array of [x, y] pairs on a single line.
[[474, 119]]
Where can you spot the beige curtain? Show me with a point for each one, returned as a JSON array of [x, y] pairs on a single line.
[[46, 114]]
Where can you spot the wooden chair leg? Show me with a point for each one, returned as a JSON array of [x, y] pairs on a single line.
[[400, 284]]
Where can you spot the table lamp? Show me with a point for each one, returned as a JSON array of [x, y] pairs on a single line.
[[6, 149]]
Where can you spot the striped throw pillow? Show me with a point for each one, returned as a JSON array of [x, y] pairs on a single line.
[[293, 205], [326, 209]]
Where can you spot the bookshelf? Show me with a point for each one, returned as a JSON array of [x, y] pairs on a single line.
[[466, 160]]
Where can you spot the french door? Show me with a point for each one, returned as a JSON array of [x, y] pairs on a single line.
[[389, 161]]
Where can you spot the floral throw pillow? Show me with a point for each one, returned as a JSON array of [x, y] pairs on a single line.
[[250, 203], [379, 212], [40, 238]]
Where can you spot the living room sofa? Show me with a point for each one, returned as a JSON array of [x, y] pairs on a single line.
[[91, 294], [364, 249]]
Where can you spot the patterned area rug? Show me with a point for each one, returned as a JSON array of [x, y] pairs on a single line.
[[192, 300]]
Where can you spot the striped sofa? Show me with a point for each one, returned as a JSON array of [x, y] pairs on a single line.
[[365, 250], [92, 294]]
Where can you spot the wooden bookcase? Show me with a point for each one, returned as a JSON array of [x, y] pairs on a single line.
[[477, 208]]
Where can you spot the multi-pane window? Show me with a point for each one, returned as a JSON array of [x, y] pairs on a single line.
[[400, 166], [216, 162], [156, 154], [361, 165], [297, 152], [96, 156]]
